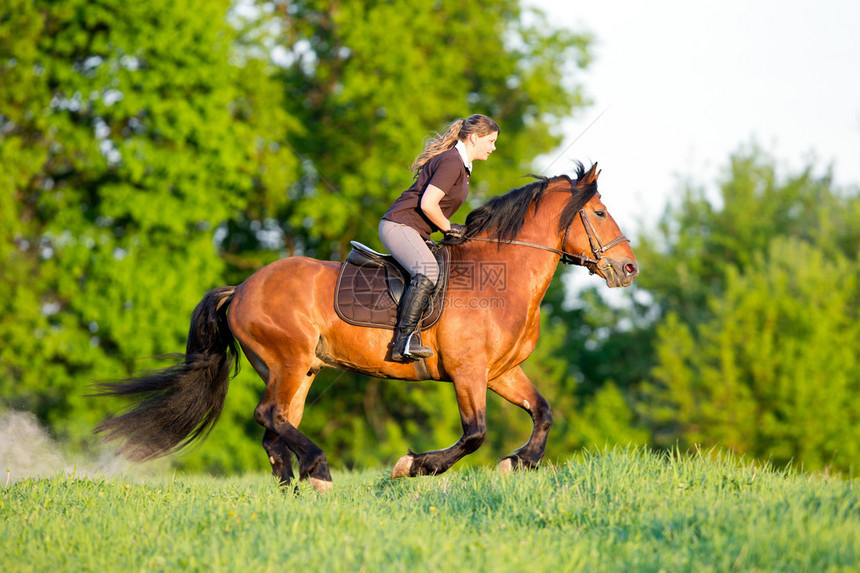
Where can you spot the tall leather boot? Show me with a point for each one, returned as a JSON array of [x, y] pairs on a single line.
[[407, 340]]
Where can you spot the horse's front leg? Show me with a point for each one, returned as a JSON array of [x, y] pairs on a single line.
[[515, 387], [471, 389]]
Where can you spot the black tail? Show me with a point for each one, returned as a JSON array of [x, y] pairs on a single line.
[[180, 404]]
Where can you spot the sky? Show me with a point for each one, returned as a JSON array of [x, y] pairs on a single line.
[[682, 85]]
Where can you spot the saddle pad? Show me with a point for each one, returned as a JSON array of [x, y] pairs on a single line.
[[362, 297]]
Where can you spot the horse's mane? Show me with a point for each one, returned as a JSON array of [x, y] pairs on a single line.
[[502, 217]]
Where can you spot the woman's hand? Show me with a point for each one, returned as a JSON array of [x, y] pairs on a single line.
[[455, 235]]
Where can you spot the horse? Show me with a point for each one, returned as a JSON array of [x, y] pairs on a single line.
[[282, 318]]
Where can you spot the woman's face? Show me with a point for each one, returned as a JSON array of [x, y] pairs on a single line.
[[483, 146]]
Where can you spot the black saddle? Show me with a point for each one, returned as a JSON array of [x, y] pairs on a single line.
[[370, 285]]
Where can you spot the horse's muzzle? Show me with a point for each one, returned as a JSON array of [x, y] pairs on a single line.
[[618, 273]]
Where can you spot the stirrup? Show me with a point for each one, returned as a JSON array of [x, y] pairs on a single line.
[[417, 352], [408, 354]]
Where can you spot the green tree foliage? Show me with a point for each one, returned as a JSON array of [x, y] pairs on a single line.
[[696, 240], [123, 147], [368, 80], [759, 348]]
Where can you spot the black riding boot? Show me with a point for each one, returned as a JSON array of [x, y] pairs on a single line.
[[407, 341]]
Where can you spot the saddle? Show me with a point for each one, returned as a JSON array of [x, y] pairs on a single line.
[[370, 285]]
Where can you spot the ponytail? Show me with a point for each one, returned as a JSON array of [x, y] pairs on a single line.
[[459, 130]]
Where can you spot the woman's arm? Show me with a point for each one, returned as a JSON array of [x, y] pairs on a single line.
[[430, 206]]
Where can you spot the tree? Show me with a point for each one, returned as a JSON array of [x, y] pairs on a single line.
[[123, 148], [774, 372], [758, 348], [696, 240], [367, 81]]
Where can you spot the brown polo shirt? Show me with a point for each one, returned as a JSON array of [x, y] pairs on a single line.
[[447, 172]]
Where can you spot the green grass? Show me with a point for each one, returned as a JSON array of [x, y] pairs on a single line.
[[617, 510]]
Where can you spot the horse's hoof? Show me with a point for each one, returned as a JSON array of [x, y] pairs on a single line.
[[321, 485], [506, 466], [403, 467]]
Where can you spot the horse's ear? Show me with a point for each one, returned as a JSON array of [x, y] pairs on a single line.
[[590, 176]]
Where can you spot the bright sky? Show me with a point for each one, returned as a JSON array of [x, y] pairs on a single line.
[[684, 84]]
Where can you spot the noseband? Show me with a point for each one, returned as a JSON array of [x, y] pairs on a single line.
[[598, 249]]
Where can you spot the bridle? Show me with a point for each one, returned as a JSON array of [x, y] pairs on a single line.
[[598, 249]]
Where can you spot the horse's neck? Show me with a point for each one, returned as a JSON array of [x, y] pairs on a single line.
[[529, 269], [541, 228]]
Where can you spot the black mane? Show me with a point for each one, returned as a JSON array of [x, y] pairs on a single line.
[[503, 216]]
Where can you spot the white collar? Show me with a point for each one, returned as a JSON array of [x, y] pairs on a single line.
[[461, 147]]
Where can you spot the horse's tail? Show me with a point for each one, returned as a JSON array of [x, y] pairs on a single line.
[[180, 404]]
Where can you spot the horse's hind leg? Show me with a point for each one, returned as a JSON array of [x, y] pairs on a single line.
[[279, 457], [280, 412], [277, 451], [515, 387]]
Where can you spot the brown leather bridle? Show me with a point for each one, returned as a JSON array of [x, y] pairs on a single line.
[[598, 248]]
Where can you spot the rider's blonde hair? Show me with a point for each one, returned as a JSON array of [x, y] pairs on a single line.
[[459, 130]]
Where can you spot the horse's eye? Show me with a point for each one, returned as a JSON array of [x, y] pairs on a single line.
[[600, 214]]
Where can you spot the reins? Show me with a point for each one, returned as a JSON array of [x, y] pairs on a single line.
[[598, 249]]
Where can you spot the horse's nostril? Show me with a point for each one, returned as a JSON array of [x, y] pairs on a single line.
[[630, 269]]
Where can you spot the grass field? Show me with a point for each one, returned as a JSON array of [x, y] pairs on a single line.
[[616, 510]]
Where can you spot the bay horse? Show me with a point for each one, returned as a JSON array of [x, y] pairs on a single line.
[[284, 320]]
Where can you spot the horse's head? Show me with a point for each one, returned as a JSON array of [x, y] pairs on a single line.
[[595, 238], [589, 234]]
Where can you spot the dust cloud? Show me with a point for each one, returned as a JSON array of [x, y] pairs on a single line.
[[28, 451]]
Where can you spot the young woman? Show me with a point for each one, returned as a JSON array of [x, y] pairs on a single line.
[[441, 185]]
